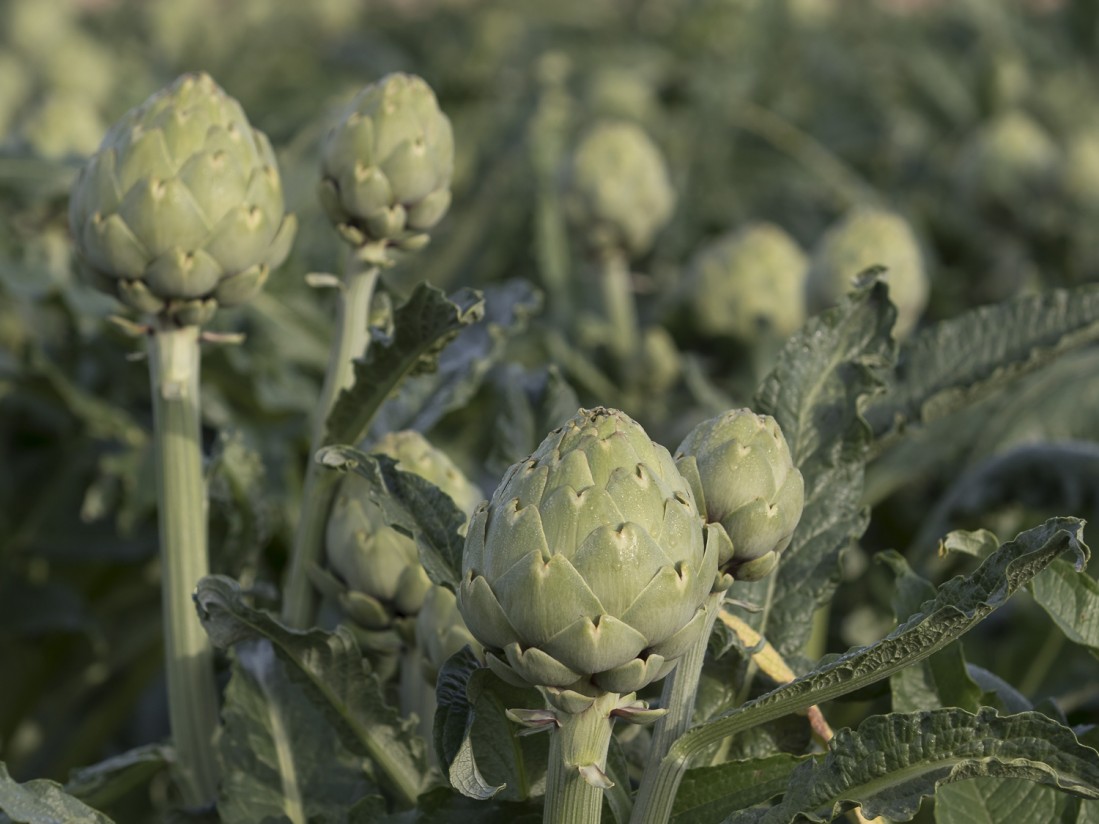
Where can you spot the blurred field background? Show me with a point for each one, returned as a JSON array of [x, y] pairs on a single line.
[[976, 120]]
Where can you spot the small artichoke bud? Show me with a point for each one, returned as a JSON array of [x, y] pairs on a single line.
[[1010, 160], [440, 631], [744, 479], [386, 167], [747, 282], [617, 190], [381, 566], [866, 238], [589, 569], [181, 210], [1080, 172]]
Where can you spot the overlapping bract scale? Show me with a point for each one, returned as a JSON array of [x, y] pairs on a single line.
[[589, 567], [181, 209]]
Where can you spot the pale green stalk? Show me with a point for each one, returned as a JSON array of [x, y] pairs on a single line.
[[579, 743], [352, 340], [417, 696], [620, 308], [181, 495], [678, 699]]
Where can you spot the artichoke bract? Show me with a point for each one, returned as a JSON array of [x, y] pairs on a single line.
[[747, 282], [617, 189], [386, 167], [181, 210], [864, 238], [386, 584], [743, 477], [589, 568]]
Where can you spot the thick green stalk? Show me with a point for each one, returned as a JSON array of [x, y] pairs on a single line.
[[579, 744], [352, 340], [181, 497], [620, 308], [416, 694], [678, 699]]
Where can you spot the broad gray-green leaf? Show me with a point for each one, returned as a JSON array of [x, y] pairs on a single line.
[[940, 680], [531, 404], [817, 390], [422, 400], [982, 800], [413, 505], [423, 326], [43, 802], [1071, 597], [277, 753], [894, 761], [101, 784], [329, 667], [960, 604], [480, 748], [708, 794], [958, 361]]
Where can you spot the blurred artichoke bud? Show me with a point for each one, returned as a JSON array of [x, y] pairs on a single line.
[[1010, 159], [381, 566], [440, 631], [15, 88], [1080, 172], [589, 568], [621, 91], [386, 168], [617, 190], [660, 360], [63, 125], [866, 238], [181, 209], [744, 479], [748, 282]]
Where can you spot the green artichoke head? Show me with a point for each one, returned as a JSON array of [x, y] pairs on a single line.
[[386, 166], [740, 468], [589, 568], [386, 583], [869, 237], [440, 631], [617, 190], [1010, 159], [181, 209], [747, 282]]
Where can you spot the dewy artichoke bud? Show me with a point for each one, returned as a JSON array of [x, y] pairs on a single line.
[[743, 477], [865, 238], [386, 167], [588, 569], [617, 189], [747, 282], [380, 565], [181, 210]]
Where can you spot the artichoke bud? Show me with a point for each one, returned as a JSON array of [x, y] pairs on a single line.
[[386, 167], [588, 570], [385, 583], [441, 631], [181, 208], [748, 282], [748, 484], [1011, 159], [617, 190], [866, 238]]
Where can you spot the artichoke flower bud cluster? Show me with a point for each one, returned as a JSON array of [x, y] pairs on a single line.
[[747, 282], [589, 569], [865, 238], [181, 210], [617, 190], [386, 167], [386, 583], [740, 468]]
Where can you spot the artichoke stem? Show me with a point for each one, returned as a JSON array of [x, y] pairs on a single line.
[[678, 699], [621, 311], [417, 695], [579, 743], [352, 340], [181, 495]]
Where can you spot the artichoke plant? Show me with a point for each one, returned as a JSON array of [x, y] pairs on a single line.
[[588, 569], [864, 238], [744, 478], [181, 210], [617, 190], [387, 165], [385, 582], [747, 282]]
